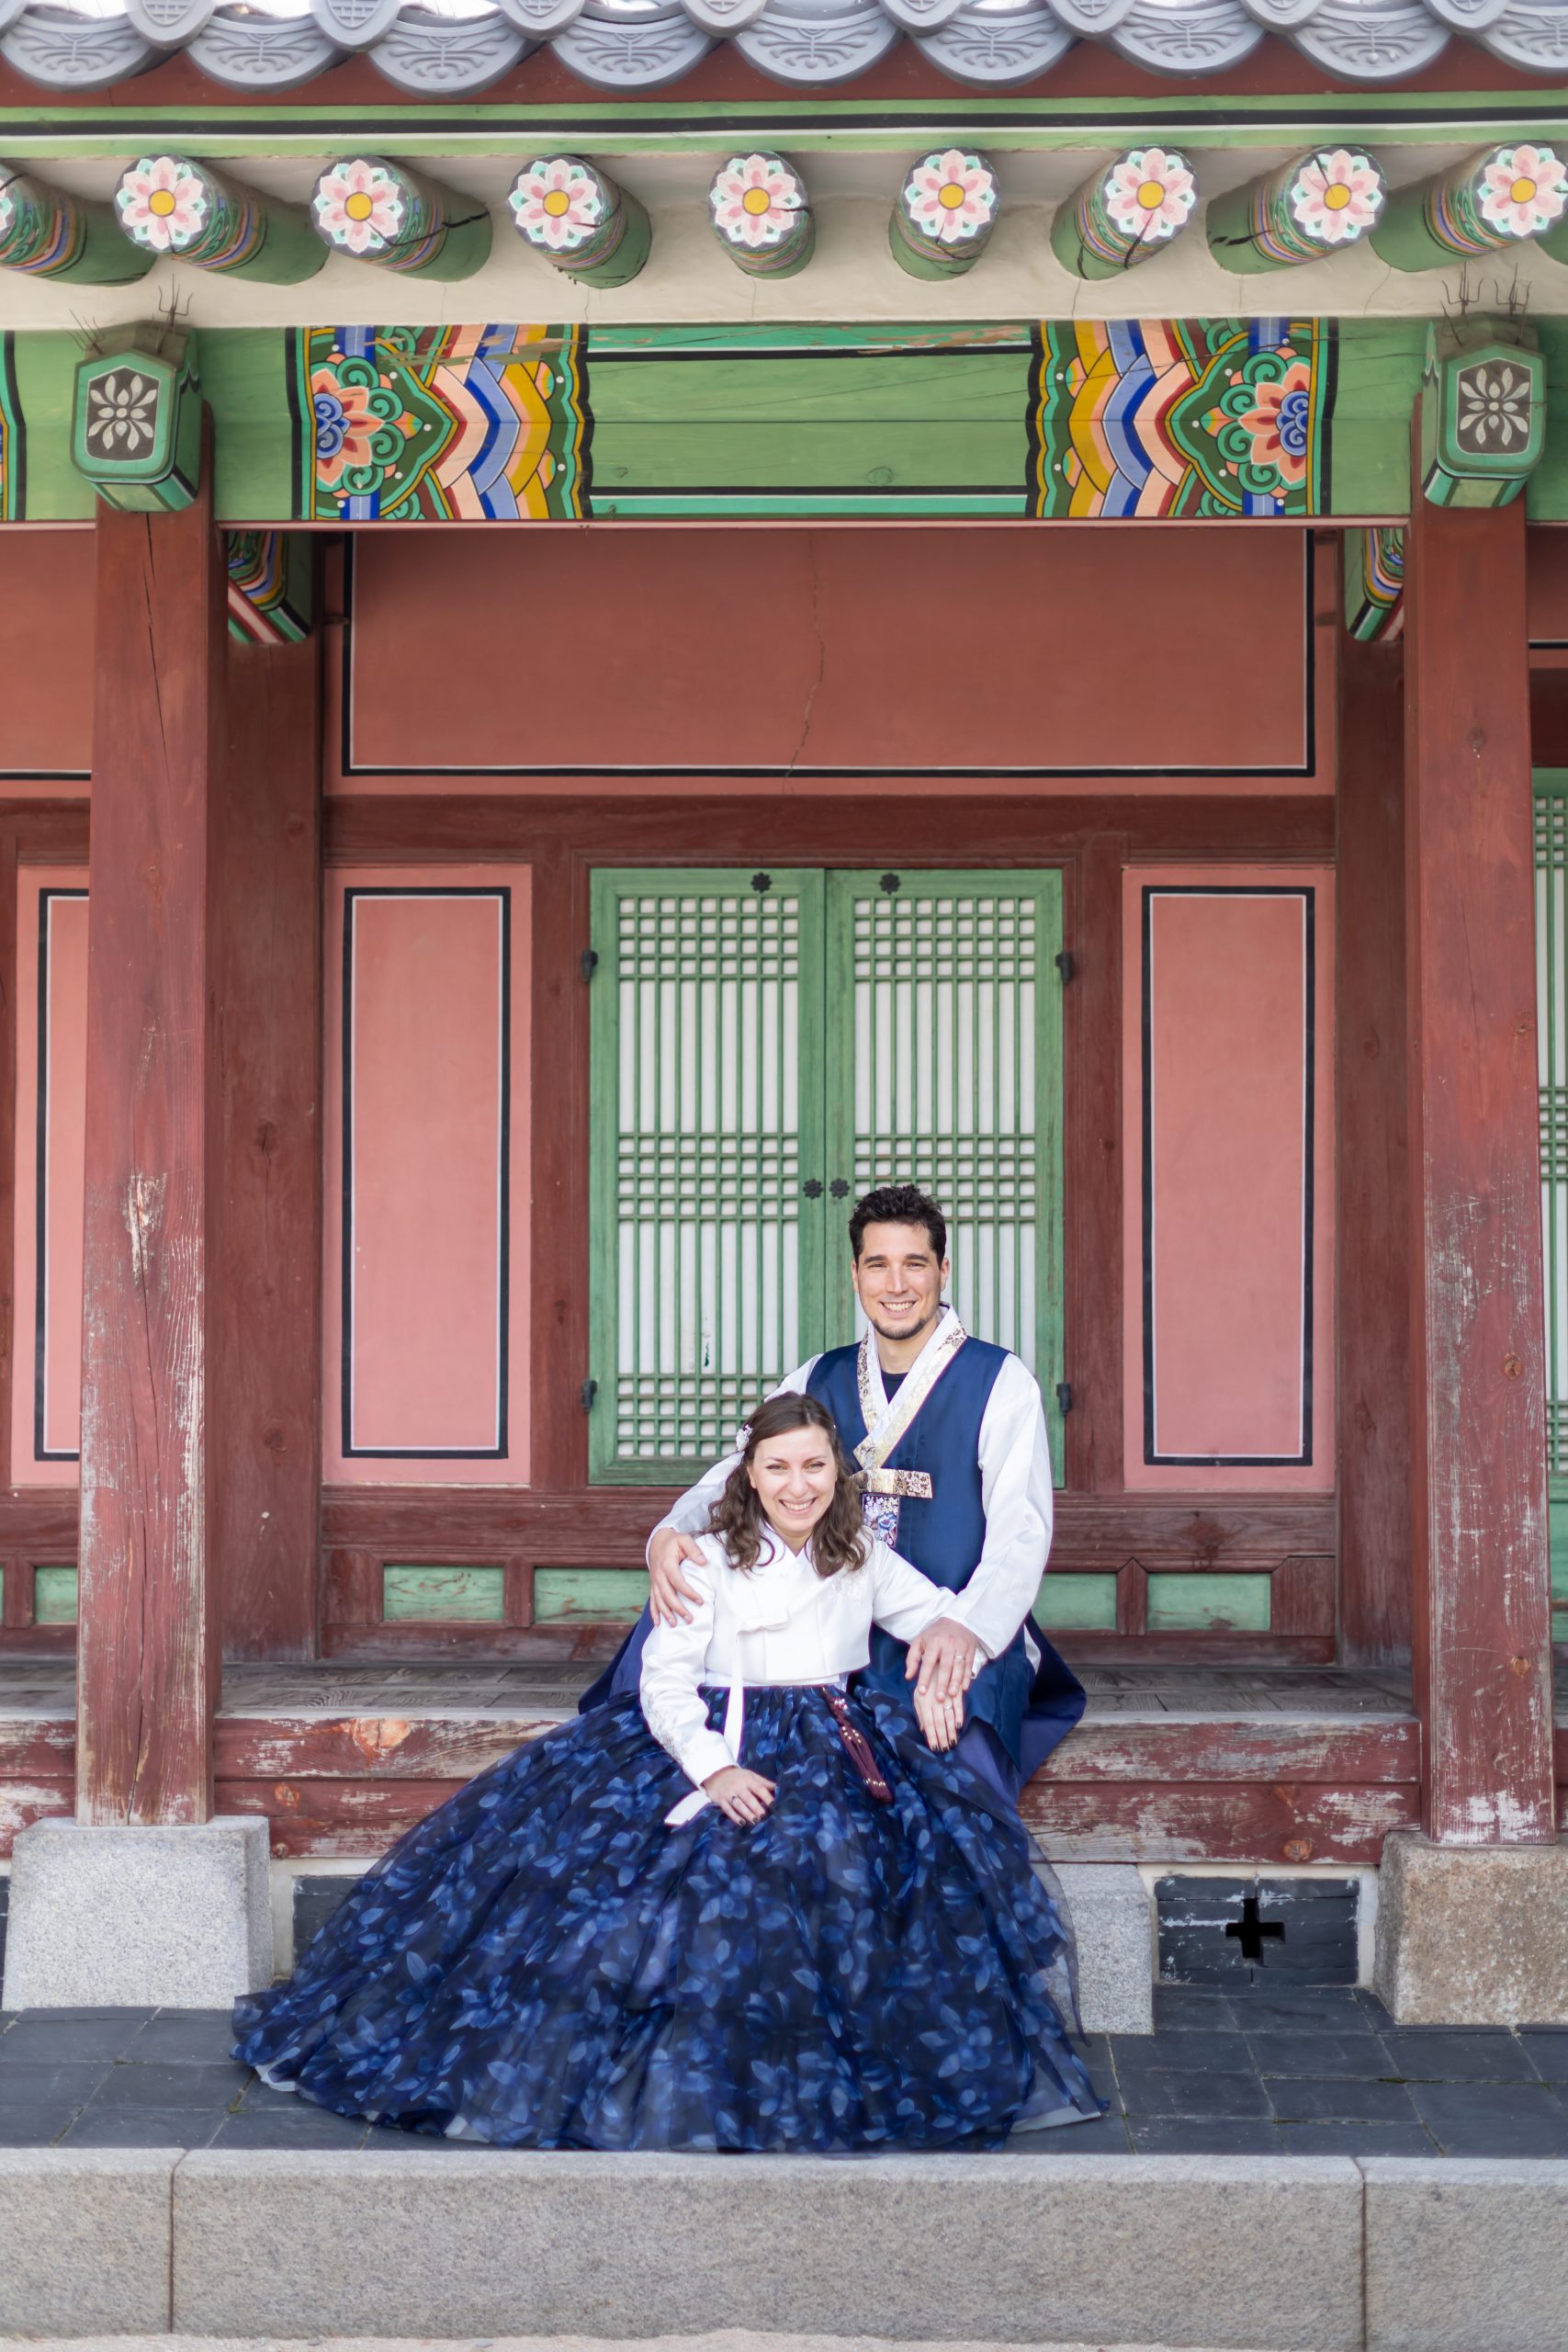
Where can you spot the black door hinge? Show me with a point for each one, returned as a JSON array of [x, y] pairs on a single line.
[[1065, 965], [589, 1390], [1064, 1396], [588, 962]]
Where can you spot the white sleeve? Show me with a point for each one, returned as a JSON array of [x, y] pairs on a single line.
[[690, 1516], [672, 1702], [1015, 1487], [904, 1601]]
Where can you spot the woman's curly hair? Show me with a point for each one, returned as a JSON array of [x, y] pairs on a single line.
[[838, 1540]]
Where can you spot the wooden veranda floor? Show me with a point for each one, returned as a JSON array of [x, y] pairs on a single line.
[[1293, 1764]]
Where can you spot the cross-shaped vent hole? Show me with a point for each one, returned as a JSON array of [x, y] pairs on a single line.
[[1252, 1933]]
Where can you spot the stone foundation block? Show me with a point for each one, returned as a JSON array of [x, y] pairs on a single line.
[[1213, 2250], [1472, 1935], [1465, 2256], [138, 1918], [84, 2241], [1114, 1921]]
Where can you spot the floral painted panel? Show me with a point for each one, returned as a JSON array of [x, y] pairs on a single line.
[[1199, 417], [466, 425]]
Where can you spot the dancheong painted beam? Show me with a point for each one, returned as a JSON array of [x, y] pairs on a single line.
[[1209, 419]]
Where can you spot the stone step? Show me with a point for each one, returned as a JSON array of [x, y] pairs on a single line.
[[1242, 2254]]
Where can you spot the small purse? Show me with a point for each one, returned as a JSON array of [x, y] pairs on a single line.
[[857, 1747]]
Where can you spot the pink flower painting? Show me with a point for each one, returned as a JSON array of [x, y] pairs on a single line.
[[1279, 424], [951, 196], [358, 206], [1336, 196], [757, 200], [557, 203], [1523, 190], [344, 426], [1149, 195], [162, 203]]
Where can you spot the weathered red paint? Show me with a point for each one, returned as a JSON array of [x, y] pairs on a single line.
[[1373, 1173], [266, 1404], [148, 1643], [1481, 1649], [47, 587]]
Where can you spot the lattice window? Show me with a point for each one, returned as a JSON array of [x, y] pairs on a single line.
[[707, 1003], [765, 1048], [1551, 1006], [954, 1078]]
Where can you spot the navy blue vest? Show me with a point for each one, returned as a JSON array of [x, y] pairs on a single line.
[[944, 1537]]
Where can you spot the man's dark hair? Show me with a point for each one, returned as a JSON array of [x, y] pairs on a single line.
[[898, 1205]]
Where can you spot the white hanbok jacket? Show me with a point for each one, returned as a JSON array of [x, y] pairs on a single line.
[[778, 1622]]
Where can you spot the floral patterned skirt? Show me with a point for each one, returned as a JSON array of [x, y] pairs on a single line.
[[542, 1963]]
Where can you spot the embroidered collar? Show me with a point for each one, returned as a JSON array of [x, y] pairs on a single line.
[[886, 1422]]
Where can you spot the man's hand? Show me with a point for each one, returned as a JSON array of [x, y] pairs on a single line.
[[667, 1591], [744, 1796], [942, 1720], [946, 1658]]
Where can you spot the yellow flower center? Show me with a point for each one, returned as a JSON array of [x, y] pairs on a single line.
[[950, 197], [160, 202], [1335, 195], [756, 201], [1151, 196], [359, 206], [1522, 191], [557, 202]]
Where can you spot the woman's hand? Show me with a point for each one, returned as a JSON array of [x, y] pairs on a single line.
[[744, 1796], [942, 1720]]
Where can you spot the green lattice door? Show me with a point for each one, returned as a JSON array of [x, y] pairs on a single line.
[[1552, 991], [767, 1046]]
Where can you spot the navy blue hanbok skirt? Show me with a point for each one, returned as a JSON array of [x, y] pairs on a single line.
[[542, 1963]]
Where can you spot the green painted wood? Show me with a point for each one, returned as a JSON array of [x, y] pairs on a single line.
[[606, 1596], [901, 386], [54, 1596], [808, 454], [1179, 1603], [435, 1596], [45, 371], [705, 1266], [944, 1068], [971, 505], [1380, 364], [1077, 1604]]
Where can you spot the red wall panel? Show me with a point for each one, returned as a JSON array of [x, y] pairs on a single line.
[[46, 661], [1113, 648]]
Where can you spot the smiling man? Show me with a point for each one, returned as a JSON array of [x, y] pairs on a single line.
[[948, 1434]]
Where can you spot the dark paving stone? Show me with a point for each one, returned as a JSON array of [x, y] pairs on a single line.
[[1094, 2049], [1359, 2055], [1493, 2119], [1333, 2008], [50, 2082], [36, 2040], [1206, 2094], [1367, 2000], [1177, 2010], [34, 2127], [1357, 2140], [1139, 2054], [1547, 2049], [1331, 2099], [1107, 2137], [181, 2037], [1446, 2054], [1184, 2135], [293, 2124], [170, 2086], [142, 2127], [49, 2016]]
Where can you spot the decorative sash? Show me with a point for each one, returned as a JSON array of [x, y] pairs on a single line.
[[884, 1428]]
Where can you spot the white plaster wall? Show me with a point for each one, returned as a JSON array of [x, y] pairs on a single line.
[[851, 277]]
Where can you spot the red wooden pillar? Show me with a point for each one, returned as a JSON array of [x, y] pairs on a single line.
[[1372, 1222], [1481, 1585], [149, 1653], [266, 1409]]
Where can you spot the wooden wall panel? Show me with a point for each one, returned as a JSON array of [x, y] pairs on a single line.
[[426, 1373], [47, 596], [784, 652], [1228, 1198], [52, 1003]]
